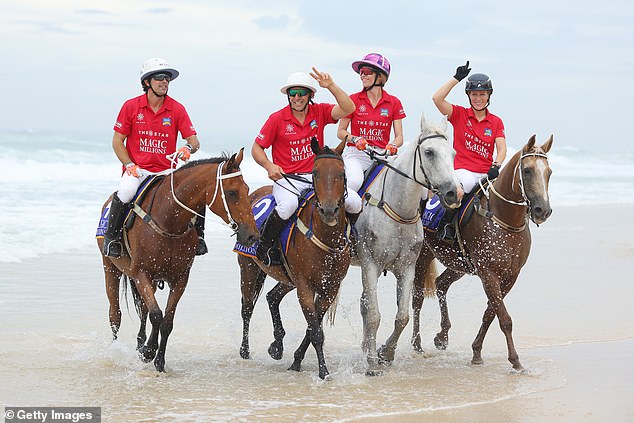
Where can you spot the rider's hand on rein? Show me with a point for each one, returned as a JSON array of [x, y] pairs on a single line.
[[132, 169], [359, 142], [184, 152], [391, 149], [494, 171]]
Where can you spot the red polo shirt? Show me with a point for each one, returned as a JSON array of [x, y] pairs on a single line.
[[375, 123], [291, 140], [152, 136], [474, 141]]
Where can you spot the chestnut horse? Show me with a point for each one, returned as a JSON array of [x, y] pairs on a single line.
[[317, 261], [161, 245], [496, 243]]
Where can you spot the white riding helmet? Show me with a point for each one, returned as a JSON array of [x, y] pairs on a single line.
[[157, 65], [299, 79]]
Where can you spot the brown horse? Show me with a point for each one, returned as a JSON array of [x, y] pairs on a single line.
[[316, 264], [161, 246], [496, 244]]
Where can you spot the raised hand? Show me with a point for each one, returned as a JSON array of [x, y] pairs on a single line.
[[462, 71], [323, 79]]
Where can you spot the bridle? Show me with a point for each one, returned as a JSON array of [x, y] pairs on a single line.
[[342, 200], [218, 188], [427, 183], [518, 170]]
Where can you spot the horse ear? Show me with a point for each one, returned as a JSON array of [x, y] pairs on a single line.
[[443, 122], [423, 121], [546, 146], [530, 144], [236, 159], [340, 147], [314, 145]]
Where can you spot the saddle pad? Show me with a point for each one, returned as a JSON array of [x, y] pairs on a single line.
[[433, 213], [374, 173], [261, 211], [140, 192]]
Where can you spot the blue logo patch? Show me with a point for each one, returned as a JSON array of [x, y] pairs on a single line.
[[487, 132], [384, 112], [313, 124], [167, 121]]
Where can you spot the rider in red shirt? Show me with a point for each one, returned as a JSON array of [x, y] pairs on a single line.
[[289, 132], [478, 133], [146, 132], [372, 121]]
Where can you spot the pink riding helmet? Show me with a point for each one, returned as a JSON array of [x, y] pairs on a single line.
[[374, 60]]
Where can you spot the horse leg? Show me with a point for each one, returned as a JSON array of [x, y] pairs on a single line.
[[113, 277], [425, 273], [176, 292], [251, 282], [314, 308], [496, 306], [141, 337], [146, 293], [443, 282], [405, 280], [274, 298], [369, 305]]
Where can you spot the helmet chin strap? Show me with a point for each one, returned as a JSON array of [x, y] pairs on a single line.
[[157, 94], [482, 109], [374, 84], [310, 101]]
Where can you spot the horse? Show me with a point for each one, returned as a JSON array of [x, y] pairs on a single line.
[[390, 233], [496, 243], [161, 245], [315, 265]]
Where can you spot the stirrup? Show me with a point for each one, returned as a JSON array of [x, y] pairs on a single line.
[[201, 248], [270, 257], [447, 233], [112, 248]]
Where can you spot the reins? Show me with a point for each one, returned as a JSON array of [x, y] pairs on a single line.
[[381, 203]]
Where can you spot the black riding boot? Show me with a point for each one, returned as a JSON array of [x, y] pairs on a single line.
[[199, 224], [268, 250], [446, 228], [112, 246]]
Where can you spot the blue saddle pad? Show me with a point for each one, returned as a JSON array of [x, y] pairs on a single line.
[[370, 179], [434, 211], [103, 221], [261, 211]]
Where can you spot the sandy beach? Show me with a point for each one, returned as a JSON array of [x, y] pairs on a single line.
[[572, 324]]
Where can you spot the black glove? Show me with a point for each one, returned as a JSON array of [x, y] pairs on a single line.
[[462, 71], [494, 171]]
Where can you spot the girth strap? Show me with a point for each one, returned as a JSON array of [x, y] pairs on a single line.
[[310, 235], [390, 211], [147, 218]]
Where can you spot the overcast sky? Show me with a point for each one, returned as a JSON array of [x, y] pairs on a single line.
[[561, 67]]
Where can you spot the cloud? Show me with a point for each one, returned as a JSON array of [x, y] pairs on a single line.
[[269, 22]]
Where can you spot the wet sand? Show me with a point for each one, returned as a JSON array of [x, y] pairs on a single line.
[[571, 309]]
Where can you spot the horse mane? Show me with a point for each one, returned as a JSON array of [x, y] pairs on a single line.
[[210, 160]]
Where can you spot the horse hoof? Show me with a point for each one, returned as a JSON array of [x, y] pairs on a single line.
[[477, 361], [297, 366], [323, 375], [244, 353], [275, 352], [147, 354], [160, 365], [386, 356], [441, 345], [372, 372]]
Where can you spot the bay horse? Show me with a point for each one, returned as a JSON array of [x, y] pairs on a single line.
[[496, 243], [161, 246], [390, 232], [317, 260]]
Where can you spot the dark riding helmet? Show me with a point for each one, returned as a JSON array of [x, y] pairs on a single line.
[[479, 82]]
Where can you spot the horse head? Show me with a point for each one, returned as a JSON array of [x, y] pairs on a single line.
[[533, 178], [234, 194], [329, 181], [436, 156]]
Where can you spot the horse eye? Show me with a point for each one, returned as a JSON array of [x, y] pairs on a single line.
[[232, 195], [429, 153]]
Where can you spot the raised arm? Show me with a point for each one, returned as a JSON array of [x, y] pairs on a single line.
[[344, 105]]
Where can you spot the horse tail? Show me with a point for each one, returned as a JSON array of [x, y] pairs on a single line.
[[429, 285], [138, 301], [332, 310]]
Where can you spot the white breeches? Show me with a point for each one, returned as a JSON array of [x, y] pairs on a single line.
[[468, 179], [128, 185], [356, 162], [286, 193]]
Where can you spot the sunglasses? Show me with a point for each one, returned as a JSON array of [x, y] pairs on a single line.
[[298, 91], [161, 77], [366, 71]]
